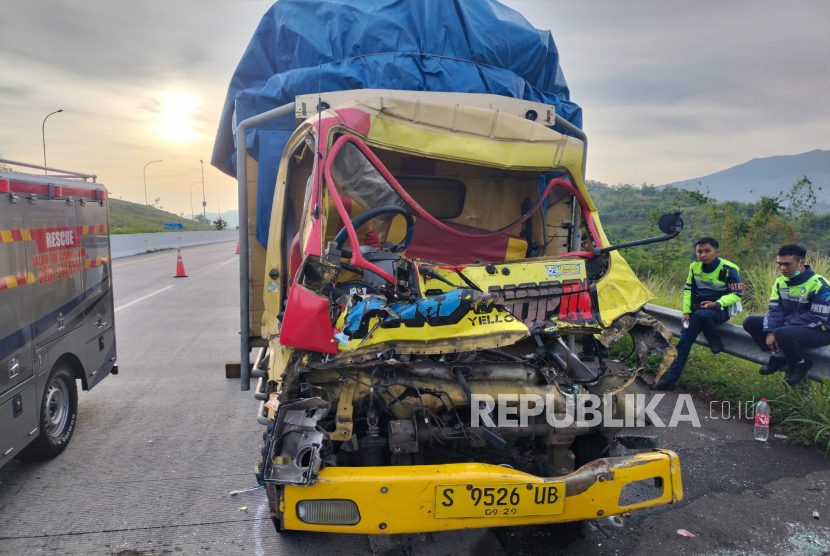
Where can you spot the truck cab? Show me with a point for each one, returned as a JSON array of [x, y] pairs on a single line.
[[426, 252]]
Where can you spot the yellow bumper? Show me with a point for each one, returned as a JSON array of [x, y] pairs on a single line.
[[402, 499]]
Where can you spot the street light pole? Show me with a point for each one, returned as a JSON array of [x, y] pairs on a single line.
[[192, 217], [204, 204], [43, 136], [146, 204]]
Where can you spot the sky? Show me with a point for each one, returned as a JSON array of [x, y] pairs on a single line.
[[669, 90]]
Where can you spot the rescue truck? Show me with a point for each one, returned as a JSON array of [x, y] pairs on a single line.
[[56, 305]]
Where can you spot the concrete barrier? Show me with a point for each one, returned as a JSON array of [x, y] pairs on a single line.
[[125, 245]]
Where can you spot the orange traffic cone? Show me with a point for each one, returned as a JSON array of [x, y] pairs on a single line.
[[180, 267], [237, 246]]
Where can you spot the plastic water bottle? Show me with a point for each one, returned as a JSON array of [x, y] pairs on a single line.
[[762, 421]]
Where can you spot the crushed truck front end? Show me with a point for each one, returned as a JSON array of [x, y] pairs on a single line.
[[425, 257], [418, 499]]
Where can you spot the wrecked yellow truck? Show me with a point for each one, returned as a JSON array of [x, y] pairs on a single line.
[[422, 252], [416, 260]]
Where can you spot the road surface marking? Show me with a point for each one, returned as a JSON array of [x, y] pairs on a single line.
[[230, 261], [260, 517], [141, 299], [165, 255]]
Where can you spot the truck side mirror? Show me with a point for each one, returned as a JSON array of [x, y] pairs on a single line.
[[670, 224]]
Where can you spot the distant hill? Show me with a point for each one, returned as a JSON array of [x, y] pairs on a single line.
[[127, 216], [767, 177], [228, 215]]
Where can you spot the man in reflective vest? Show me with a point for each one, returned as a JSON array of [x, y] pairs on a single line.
[[712, 295], [797, 319]]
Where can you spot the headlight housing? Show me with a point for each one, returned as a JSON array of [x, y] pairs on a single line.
[[328, 512]]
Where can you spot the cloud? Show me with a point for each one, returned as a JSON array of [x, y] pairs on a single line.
[[125, 41], [109, 66], [676, 89], [670, 90]]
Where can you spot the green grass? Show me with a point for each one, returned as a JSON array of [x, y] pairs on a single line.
[[809, 414], [805, 410], [132, 218]]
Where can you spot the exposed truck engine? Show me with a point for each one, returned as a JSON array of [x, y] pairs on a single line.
[[427, 252]]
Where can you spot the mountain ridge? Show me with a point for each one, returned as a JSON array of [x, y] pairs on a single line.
[[766, 177]]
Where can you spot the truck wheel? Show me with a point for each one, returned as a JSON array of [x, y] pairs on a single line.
[[272, 492], [58, 412]]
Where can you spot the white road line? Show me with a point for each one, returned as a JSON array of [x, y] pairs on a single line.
[[260, 517], [230, 261], [141, 299]]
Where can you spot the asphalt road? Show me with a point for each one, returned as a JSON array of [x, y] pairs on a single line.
[[159, 447]]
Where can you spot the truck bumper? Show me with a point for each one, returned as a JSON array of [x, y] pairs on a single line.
[[403, 499]]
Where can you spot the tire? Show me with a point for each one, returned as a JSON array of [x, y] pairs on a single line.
[[58, 413], [271, 492]]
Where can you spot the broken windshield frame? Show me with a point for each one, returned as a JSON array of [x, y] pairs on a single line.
[[362, 176]]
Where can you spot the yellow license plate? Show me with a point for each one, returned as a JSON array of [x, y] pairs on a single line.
[[499, 500]]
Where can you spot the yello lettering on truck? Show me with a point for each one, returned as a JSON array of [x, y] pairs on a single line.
[[411, 241], [56, 305]]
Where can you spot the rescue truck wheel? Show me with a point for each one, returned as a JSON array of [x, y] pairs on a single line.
[[58, 412]]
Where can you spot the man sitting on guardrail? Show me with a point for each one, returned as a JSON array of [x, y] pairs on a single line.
[[799, 307], [712, 295]]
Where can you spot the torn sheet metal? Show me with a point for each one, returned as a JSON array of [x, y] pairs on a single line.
[[650, 337], [293, 454]]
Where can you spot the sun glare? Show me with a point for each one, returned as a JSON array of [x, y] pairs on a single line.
[[176, 116]]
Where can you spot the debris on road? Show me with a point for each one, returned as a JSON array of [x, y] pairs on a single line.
[[615, 521], [249, 489], [815, 514], [243, 509], [684, 533]]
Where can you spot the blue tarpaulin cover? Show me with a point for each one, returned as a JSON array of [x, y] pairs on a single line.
[[310, 46]]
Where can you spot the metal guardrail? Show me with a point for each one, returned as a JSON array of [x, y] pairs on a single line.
[[738, 343]]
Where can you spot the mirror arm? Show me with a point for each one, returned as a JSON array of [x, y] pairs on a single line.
[[672, 227], [598, 251]]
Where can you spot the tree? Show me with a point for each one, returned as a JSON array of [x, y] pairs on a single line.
[[800, 199], [220, 224]]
